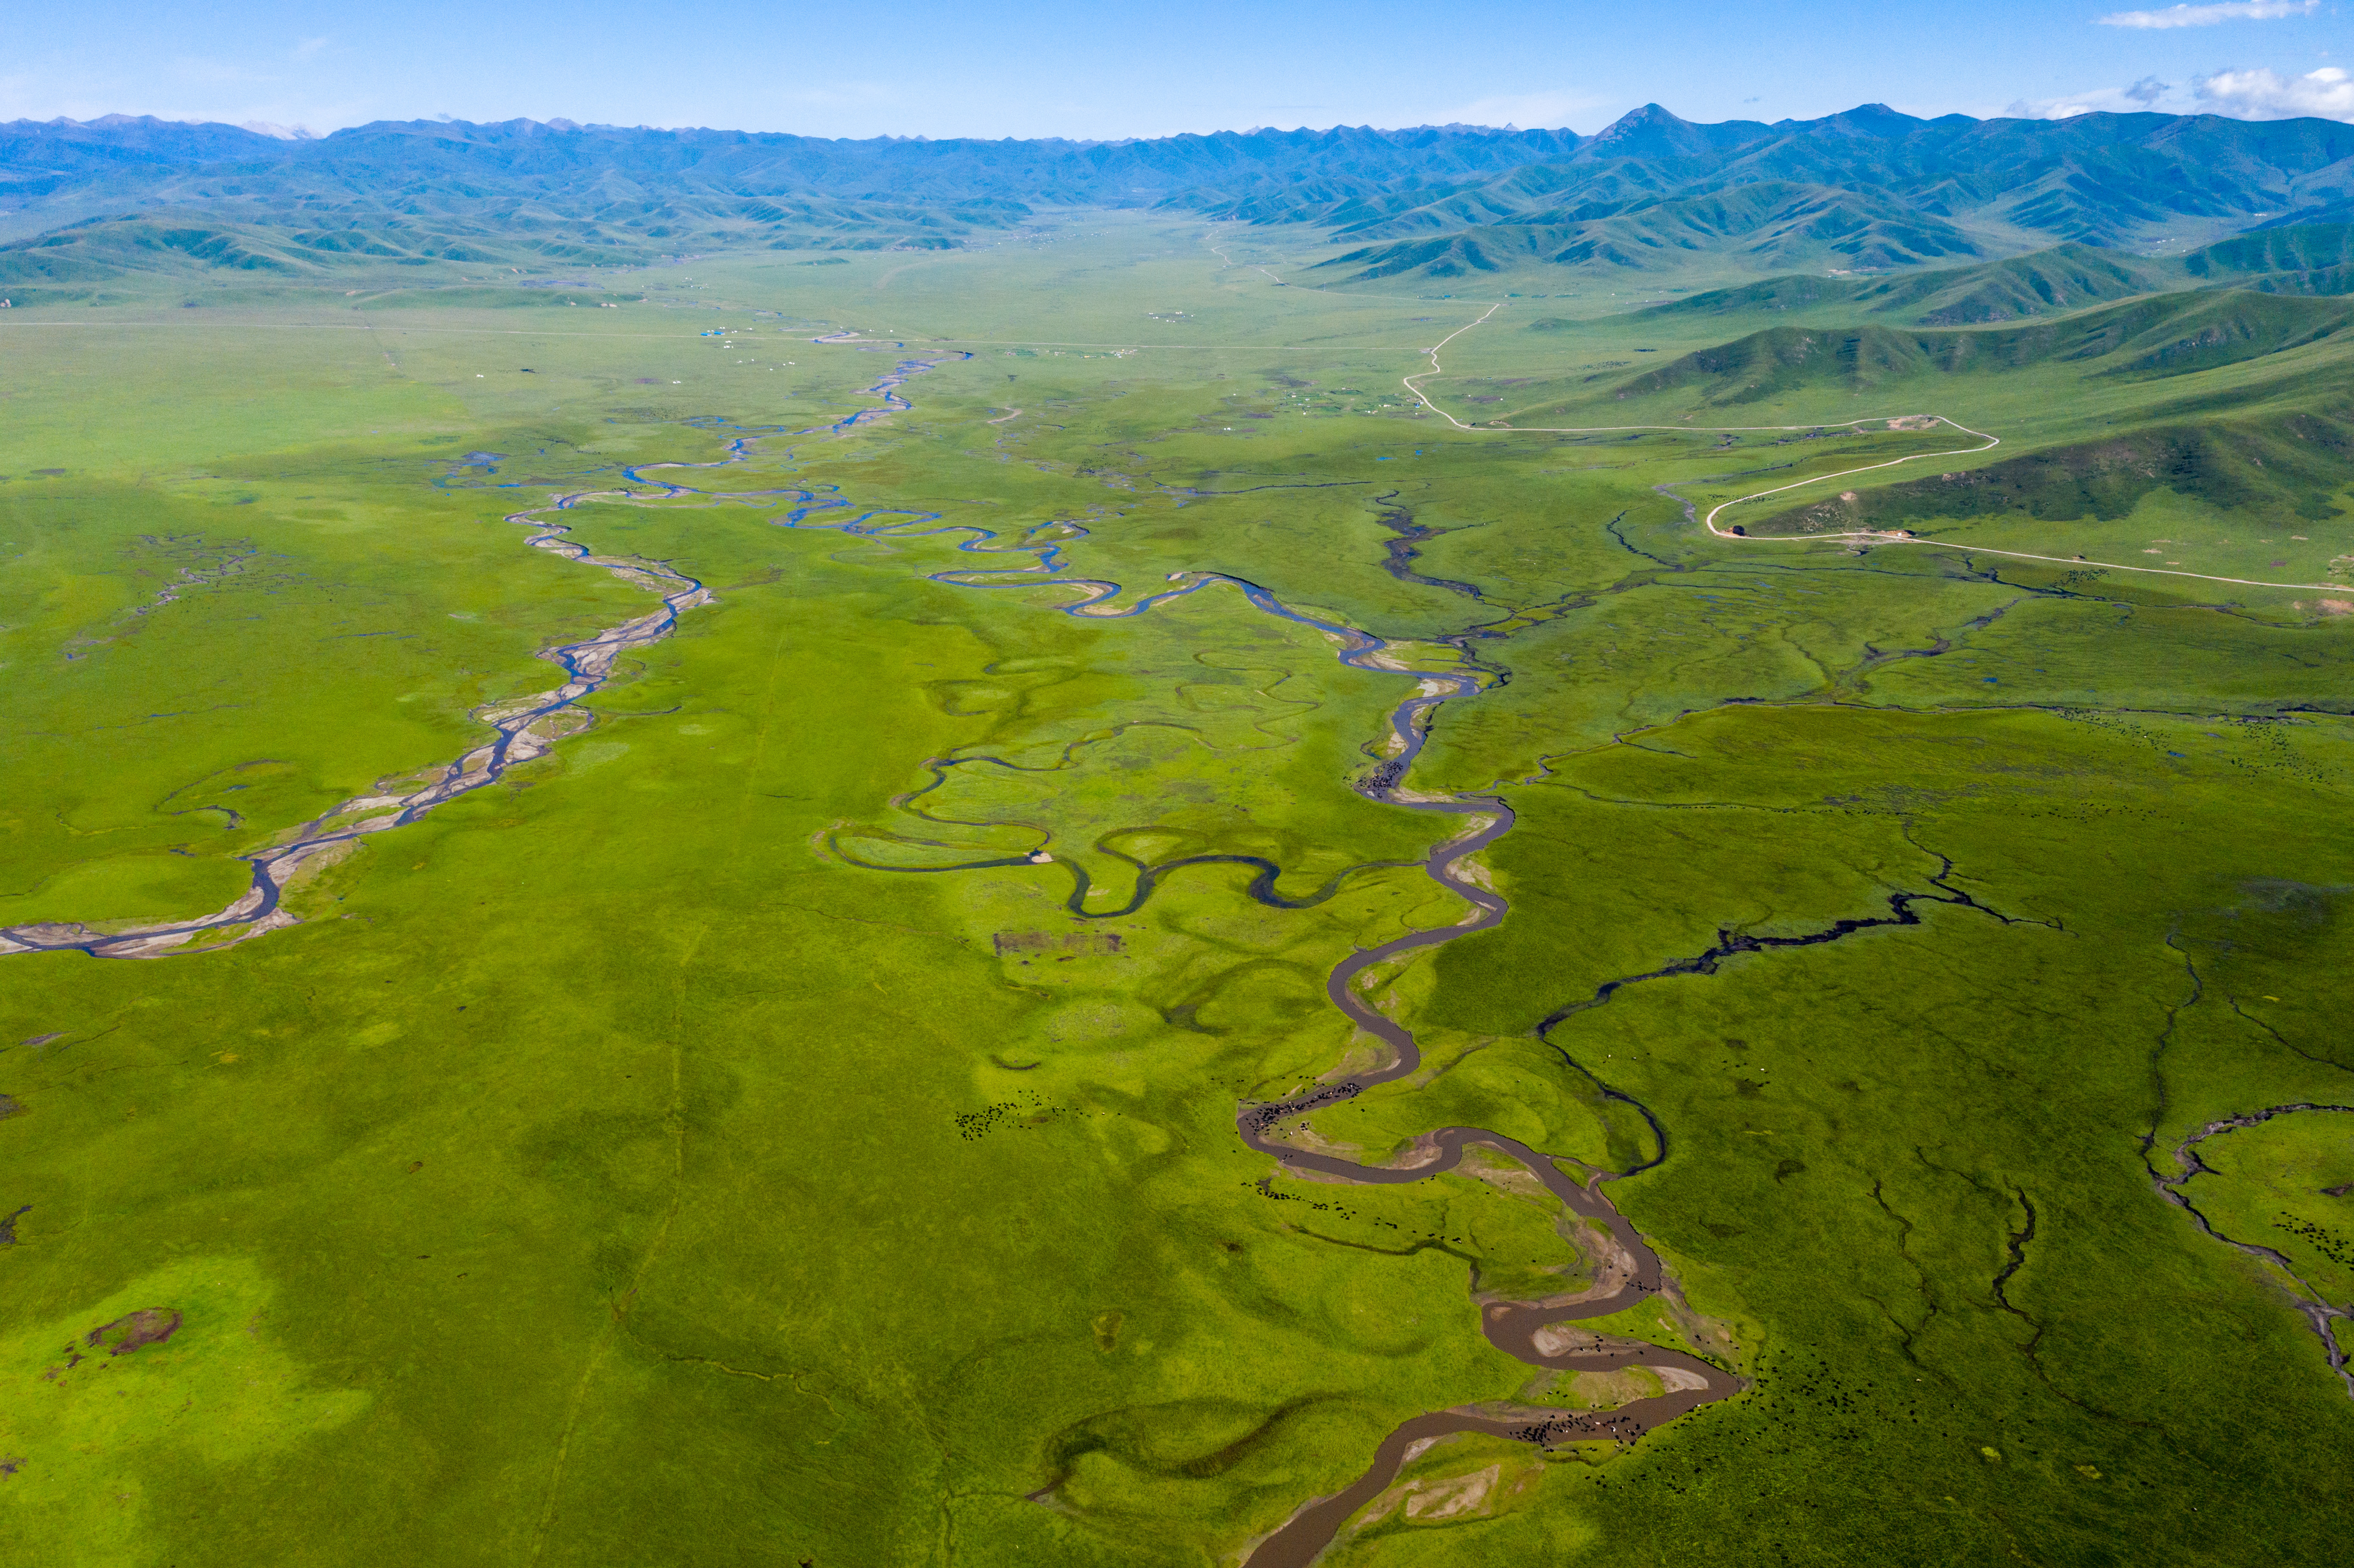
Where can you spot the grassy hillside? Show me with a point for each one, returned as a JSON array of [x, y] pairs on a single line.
[[2082, 372], [2284, 470], [2065, 278], [2307, 258], [2162, 336], [1775, 224]]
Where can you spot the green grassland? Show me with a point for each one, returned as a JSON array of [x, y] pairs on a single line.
[[665, 1155]]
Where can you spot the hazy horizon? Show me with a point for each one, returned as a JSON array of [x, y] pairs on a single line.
[[1062, 70], [564, 122]]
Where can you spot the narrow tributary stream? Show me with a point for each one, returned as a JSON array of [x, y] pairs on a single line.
[[525, 728], [2321, 1313], [1627, 1271]]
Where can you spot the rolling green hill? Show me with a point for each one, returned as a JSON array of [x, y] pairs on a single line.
[[2160, 335], [2065, 278], [2279, 468], [2309, 258]]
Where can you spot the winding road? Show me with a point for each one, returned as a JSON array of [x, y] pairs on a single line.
[[1858, 535]]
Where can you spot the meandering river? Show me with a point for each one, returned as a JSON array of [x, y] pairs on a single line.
[[1627, 1271]]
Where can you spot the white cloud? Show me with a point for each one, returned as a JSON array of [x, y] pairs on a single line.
[[2208, 16], [2260, 94], [2257, 94], [2142, 97]]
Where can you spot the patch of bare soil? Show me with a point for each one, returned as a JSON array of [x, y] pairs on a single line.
[[148, 1326]]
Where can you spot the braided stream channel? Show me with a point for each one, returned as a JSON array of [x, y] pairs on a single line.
[[525, 728]]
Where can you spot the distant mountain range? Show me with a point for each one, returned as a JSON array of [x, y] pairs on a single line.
[[120, 155], [1868, 190], [1871, 188], [156, 195]]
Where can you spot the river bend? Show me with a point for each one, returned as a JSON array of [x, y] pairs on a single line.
[[1627, 1270]]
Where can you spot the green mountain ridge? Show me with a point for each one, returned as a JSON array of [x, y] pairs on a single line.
[[1866, 190], [1872, 187], [1777, 223], [2064, 279]]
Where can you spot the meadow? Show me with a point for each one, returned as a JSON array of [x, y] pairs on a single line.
[[793, 1120]]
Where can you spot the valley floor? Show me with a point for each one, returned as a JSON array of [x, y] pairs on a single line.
[[1073, 904]]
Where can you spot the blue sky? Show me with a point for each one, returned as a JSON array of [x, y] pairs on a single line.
[[919, 67]]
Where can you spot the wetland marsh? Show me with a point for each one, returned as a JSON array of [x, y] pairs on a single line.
[[1208, 970]]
